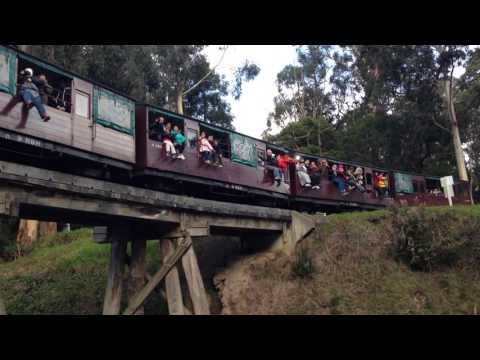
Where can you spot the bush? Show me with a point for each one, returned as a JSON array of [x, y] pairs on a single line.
[[303, 265], [428, 239], [8, 233]]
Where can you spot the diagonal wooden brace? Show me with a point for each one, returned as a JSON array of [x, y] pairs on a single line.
[[169, 263]]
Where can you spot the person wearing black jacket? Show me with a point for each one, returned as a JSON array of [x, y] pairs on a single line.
[[156, 130], [43, 86]]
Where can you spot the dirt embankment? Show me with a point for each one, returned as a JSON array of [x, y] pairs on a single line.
[[413, 262]]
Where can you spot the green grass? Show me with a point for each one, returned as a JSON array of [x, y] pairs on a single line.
[[64, 274]]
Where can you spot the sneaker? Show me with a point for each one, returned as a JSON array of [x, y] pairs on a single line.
[[207, 162], [345, 193], [220, 165], [181, 156], [46, 118], [308, 185], [278, 182]]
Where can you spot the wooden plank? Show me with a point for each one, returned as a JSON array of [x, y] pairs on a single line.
[[137, 270], [3, 310], [169, 263], [195, 283], [113, 293], [148, 277], [54, 180], [172, 282], [198, 231]]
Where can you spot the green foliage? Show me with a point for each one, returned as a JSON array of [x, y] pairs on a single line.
[[66, 274], [303, 265], [156, 74], [8, 232], [429, 240], [383, 104]]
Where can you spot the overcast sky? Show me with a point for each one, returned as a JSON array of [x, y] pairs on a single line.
[[256, 102]]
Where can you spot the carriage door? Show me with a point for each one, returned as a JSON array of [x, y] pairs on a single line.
[[191, 132], [82, 126]]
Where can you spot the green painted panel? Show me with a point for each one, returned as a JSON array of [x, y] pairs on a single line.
[[8, 70], [403, 183], [244, 150], [113, 111]]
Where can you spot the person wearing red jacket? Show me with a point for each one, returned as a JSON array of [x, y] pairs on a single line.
[[283, 162]]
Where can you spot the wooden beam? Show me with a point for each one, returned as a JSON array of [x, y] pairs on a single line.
[[195, 283], [186, 310], [137, 270], [113, 293], [3, 311], [173, 288], [168, 264], [158, 290], [22, 175]]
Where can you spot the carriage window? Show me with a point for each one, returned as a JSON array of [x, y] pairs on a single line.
[[415, 186], [222, 137], [260, 155], [422, 186], [192, 138], [82, 104], [59, 92], [368, 178]]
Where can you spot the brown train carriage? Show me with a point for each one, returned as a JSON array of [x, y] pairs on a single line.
[[85, 117], [404, 188], [237, 174]]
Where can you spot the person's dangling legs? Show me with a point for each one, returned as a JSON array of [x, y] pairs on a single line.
[[38, 103]]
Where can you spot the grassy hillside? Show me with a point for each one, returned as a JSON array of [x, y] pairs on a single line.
[[354, 265], [64, 274]]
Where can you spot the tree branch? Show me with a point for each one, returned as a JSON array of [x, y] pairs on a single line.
[[208, 74]]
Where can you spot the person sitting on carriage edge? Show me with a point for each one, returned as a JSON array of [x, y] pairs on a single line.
[[302, 173], [339, 178], [44, 88], [178, 142], [315, 174], [30, 95], [206, 148], [217, 155], [272, 164], [167, 140], [157, 129]]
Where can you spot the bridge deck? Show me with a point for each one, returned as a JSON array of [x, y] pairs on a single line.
[[36, 193]]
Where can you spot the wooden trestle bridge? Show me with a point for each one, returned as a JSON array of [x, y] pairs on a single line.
[[123, 214]]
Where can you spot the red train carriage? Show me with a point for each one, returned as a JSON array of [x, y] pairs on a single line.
[[88, 121], [242, 172]]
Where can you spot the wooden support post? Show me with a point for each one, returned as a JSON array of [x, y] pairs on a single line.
[[3, 311], [137, 274], [113, 293], [168, 264], [172, 282], [195, 283]]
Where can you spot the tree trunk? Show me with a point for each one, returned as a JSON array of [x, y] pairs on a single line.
[[180, 103], [457, 144], [30, 231], [27, 235], [46, 228]]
